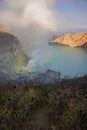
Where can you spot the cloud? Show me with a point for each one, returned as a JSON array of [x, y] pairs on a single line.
[[16, 4], [23, 12]]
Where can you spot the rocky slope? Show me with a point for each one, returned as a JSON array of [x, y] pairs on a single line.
[[72, 40], [12, 56], [48, 77]]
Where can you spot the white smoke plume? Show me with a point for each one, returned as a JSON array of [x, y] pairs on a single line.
[[33, 21]]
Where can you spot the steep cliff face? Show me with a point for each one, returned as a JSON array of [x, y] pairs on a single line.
[[12, 56], [72, 40]]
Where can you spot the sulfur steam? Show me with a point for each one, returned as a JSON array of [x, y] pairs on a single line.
[[33, 21]]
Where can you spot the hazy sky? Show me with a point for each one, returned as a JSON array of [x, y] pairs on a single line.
[[73, 15], [72, 6]]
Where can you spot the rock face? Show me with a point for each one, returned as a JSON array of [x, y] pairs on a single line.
[[48, 77], [72, 40], [12, 57], [2, 28]]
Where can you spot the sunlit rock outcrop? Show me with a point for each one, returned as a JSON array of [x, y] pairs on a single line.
[[12, 56], [72, 40], [2, 28]]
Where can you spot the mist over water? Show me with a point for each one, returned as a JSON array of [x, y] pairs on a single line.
[[39, 60]]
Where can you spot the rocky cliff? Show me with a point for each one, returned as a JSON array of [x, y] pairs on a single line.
[[12, 56], [72, 40]]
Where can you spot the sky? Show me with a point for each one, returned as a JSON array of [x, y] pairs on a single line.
[[73, 15], [72, 6]]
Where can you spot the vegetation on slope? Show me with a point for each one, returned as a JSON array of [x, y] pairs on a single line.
[[55, 107]]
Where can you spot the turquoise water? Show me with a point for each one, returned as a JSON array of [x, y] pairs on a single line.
[[68, 61]]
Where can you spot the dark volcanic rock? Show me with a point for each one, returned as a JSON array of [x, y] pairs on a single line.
[[48, 77], [12, 56]]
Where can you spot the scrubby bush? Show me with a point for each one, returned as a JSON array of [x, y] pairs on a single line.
[[20, 105]]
